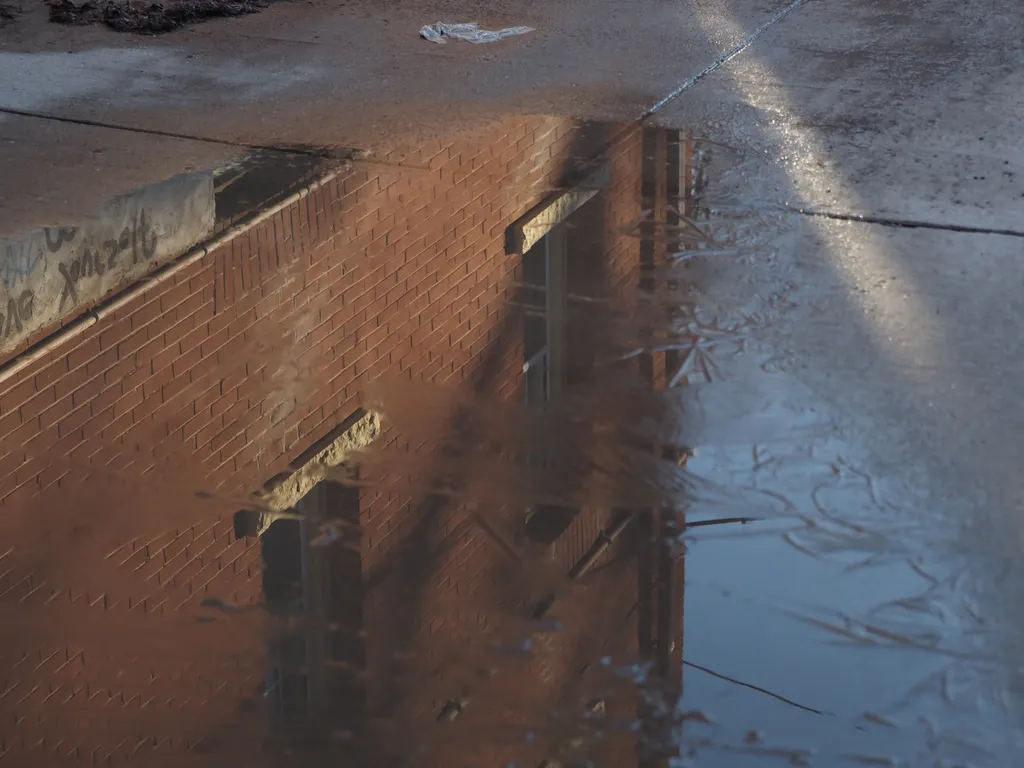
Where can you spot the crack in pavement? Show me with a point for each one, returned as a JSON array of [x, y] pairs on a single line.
[[757, 688], [722, 60], [883, 221]]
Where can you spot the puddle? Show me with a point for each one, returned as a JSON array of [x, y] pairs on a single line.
[[471, 453]]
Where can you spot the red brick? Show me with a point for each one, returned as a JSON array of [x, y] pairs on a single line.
[[171, 297], [394, 327], [179, 331], [128, 399], [146, 314], [203, 437], [234, 411], [130, 345], [84, 352], [30, 469], [147, 407], [100, 419], [217, 340], [184, 363], [145, 353], [231, 377], [22, 498], [318, 335], [276, 319], [97, 365], [191, 428], [30, 409], [241, 256], [154, 383], [385, 350], [322, 267], [247, 455], [51, 373], [261, 250], [175, 387], [187, 274], [301, 297], [252, 389], [86, 391], [177, 421], [433, 369], [207, 393], [285, 236], [73, 421], [120, 425], [132, 378], [241, 324], [311, 422], [202, 280], [163, 357], [10, 462], [227, 450], [203, 368]]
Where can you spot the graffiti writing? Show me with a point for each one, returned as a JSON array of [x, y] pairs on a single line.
[[18, 312], [72, 274], [137, 239], [18, 263], [56, 237], [142, 237]]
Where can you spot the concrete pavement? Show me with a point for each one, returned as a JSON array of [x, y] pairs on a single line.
[[898, 339], [880, 379], [318, 76]]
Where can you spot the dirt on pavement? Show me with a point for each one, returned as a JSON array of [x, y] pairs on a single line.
[[148, 18], [8, 11]]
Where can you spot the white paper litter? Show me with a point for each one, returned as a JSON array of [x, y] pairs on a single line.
[[471, 33]]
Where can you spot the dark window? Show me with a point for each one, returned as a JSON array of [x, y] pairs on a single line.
[[544, 278], [535, 324], [313, 571]]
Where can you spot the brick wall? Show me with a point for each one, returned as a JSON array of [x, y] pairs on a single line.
[[126, 452]]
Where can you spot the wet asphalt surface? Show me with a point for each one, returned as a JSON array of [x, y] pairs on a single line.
[[812, 466]]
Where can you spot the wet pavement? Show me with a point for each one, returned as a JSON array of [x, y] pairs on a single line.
[[616, 526], [543, 441]]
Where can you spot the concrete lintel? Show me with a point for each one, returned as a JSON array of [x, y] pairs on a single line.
[[555, 209], [322, 461]]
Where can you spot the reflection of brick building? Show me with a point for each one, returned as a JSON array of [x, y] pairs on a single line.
[[221, 378]]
